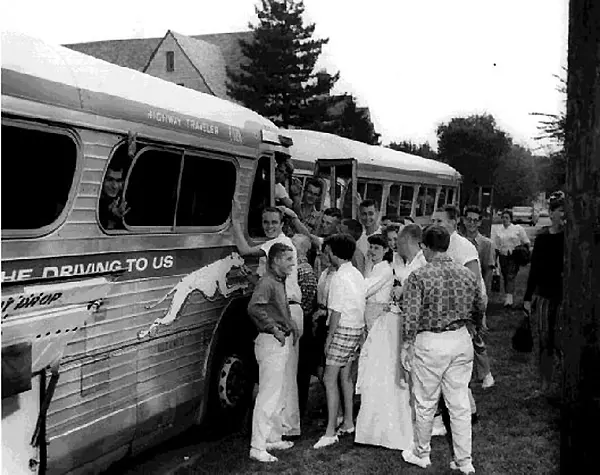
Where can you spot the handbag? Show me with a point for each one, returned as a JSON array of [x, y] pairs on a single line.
[[522, 340], [496, 279], [522, 255]]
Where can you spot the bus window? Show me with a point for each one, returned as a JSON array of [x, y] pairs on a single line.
[[200, 202], [406, 199], [361, 188], [420, 210], [442, 198], [430, 201], [151, 191], [38, 165], [450, 197], [393, 203], [111, 195], [375, 193], [260, 198]]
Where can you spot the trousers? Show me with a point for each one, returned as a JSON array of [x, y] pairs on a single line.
[[443, 364]]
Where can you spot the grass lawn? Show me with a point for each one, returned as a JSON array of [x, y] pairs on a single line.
[[513, 436]]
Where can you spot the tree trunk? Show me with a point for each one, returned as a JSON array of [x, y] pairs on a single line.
[[580, 413]]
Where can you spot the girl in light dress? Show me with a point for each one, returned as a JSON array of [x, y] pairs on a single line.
[[385, 416]]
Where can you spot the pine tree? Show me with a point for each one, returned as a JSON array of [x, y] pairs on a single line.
[[279, 81]]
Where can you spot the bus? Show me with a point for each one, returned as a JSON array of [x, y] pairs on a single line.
[[123, 298], [404, 185]]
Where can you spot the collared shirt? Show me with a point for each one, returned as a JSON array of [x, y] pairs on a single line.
[[314, 221], [291, 283], [268, 307], [416, 263], [506, 239], [308, 286], [347, 294], [440, 296], [463, 251]]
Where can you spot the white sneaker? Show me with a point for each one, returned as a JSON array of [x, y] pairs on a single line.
[[280, 445], [326, 441], [439, 429], [262, 456], [464, 469], [488, 381], [410, 457]]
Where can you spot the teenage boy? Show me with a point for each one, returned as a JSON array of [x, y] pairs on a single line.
[[346, 303], [270, 312]]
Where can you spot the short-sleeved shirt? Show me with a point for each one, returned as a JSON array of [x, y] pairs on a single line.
[[281, 192], [506, 239], [291, 283], [417, 262], [462, 251], [347, 294], [441, 296]]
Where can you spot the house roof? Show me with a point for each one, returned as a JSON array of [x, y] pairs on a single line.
[[205, 57], [135, 53]]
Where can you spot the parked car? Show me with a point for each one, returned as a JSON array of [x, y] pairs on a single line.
[[525, 214], [543, 213]]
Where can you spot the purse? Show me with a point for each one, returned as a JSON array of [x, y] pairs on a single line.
[[522, 255], [496, 279], [522, 340]]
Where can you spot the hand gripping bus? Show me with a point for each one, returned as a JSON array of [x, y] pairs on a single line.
[[123, 299]]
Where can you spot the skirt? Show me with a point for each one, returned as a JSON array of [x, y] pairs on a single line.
[[344, 346], [546, 312]]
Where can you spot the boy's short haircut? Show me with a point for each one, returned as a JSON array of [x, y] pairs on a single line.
[[413, 231], [451, 211], [342, 246], [392, 228], [368, 203], [334, 212], [436, 238], [354, 226], [273, 209], [316, 183], [389, 217], [277, 250], [473, 209], [409, 219]]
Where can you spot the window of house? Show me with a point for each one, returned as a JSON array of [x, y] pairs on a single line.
[[38, 166], [204, 201], [260, 198], [406, 199], [151, 190], [393, 201], [170, 61]]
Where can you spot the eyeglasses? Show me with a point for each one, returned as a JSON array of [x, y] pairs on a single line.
[[471, 220]]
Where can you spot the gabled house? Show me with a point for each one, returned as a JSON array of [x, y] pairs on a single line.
[[198, 62]]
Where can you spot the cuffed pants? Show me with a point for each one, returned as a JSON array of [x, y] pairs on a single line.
[[443, 363], [291, 411], [273, 360]]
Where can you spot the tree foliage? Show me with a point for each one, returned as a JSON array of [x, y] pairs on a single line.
[[475, 146], [343, 117], [279, 79], [515, 178], [422, 149]]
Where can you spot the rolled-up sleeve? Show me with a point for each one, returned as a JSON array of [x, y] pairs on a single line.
[[412, 307], [257, 308]]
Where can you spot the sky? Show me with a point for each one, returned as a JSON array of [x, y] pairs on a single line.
[[414, 63]]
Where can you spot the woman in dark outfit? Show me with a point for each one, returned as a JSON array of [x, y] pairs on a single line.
[[544, 286]]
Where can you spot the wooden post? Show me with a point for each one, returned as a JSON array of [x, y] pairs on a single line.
[[580, 413]]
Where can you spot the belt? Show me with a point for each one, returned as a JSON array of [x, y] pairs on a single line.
[[455, 325], [293, 302]]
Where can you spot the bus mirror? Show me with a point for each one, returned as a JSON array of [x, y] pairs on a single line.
[[269, 136], [286, 141]]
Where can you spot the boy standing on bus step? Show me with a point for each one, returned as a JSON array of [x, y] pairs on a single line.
[[369, 217], [270, 312], [272, 222]]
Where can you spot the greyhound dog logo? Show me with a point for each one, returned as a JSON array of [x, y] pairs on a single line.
[[209, 280]]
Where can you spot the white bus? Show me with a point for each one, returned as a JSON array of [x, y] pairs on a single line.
[[84, 381], [404, 185]]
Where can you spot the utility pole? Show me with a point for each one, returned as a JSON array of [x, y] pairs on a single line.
[[580, 412]]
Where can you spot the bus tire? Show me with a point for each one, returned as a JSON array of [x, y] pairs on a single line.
[[231, 387]]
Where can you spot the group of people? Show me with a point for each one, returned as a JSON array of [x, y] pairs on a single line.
[[394, 313]]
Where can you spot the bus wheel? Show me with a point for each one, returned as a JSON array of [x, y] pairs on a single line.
[[235, 385], [231, 398]]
